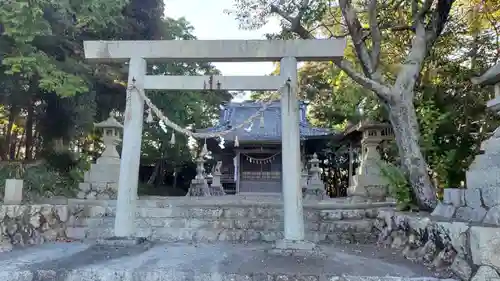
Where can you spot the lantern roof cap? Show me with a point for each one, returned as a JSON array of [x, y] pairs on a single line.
[[111, 122]]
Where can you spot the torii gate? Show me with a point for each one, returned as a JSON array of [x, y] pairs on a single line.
[[288, 52]]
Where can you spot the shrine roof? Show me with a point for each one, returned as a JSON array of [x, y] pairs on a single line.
[[491, 76], [233, 114]]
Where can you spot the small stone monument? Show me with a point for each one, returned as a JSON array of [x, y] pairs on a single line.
[[315, 188], [199, 185], [369, 182], [216, 188], [13, 191], [101, 181]]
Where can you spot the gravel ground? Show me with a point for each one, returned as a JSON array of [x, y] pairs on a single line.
[[180, 261]]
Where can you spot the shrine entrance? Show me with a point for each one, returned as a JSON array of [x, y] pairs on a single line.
[[138, 53]]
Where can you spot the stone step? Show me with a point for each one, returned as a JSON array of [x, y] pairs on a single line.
[[239, 223], [230, 212], [166, 234]]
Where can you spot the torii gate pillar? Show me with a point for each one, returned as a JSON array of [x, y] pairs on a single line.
[[288, 52]]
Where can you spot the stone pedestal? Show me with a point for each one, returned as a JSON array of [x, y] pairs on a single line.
[[483, 172], [101, 181], [315, 188], [199, 185], [216, 188], [13, 191], [296, 248], [199, 188], [480, 201], [368, 181], [121, 241]]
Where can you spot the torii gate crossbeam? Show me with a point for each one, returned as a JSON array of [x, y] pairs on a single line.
[[288, 52]]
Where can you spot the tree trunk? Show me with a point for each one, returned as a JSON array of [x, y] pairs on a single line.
[[8, 136], [154, 175], [22, 141], [14, 141], [406, 131], [29, 132], [174, 184]]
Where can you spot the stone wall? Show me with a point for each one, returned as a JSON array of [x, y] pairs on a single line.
[[472, 205], [22, 225], [235, 223], [468, 250]]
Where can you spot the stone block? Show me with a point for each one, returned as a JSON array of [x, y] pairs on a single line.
[[368, 186], [331, 215], [62, 212], [473, 197], [86, 176], [457, 234], [470, 214], [491, 196], [81, 195], [104, 173], [121, 241], [113, 186], [461, 268], [294, 245], [485, 273], [418, 224], [444, 211], [314, 194], [216, 190], [486, 161], [493, 216], [198, 188], [454, 196], [85, 187], [485, 246], [483, 178], [13, 191]]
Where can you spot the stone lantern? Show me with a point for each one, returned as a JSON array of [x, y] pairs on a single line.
[[111, 130], [101, 181], [368, 181], [199, 185], [315, 189]]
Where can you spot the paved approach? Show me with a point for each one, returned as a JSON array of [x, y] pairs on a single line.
[[204, 262]]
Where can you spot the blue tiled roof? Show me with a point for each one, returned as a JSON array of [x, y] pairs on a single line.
[[234, 114]]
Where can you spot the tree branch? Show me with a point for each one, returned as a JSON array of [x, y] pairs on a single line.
[[375, 32], [420, 15], [439, 18], [356, 31], [380, 90]]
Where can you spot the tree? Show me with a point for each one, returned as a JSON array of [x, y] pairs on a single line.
[[368, 24], [51, 96]]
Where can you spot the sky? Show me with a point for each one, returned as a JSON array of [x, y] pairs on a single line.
[[210, 22]]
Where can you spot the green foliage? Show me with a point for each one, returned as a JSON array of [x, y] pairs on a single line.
[[41, 35], [46, 80], [42, 180], [450, 110], [399, 186]]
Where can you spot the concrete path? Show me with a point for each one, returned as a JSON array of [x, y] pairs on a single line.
[[205, 262]]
